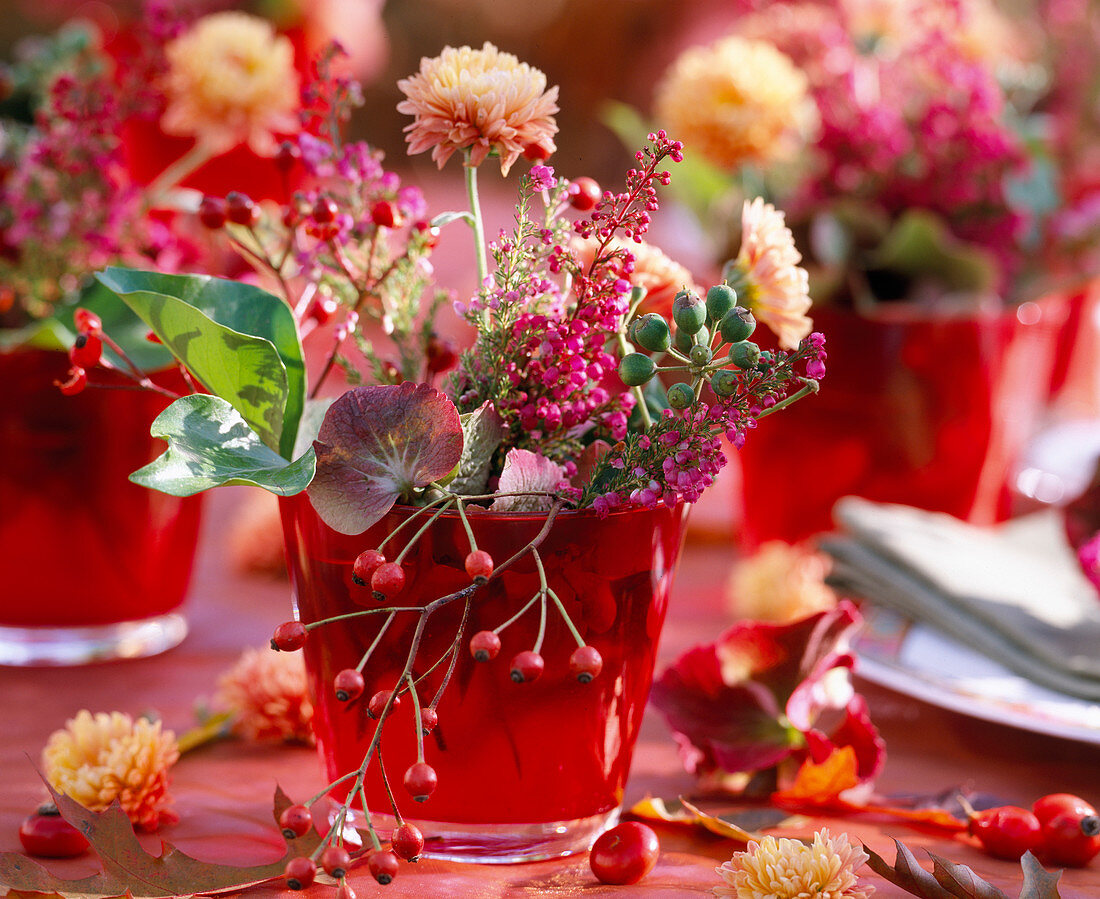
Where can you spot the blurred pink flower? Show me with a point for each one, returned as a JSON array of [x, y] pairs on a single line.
[[269, 696]]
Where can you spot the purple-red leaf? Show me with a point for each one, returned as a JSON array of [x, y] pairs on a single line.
[[527, 472], [378, 444]]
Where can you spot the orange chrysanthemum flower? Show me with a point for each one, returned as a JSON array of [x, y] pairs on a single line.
[[788, 869], [231, 80], [767, 276], [781, 583], [737, 101], [479, 101], [269, 695], [98, 759]]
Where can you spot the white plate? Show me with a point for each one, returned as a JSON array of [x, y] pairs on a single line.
[[923, 663]]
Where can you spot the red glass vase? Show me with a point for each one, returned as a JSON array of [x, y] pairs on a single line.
[[916, 408], [526, 771], [94, 566]]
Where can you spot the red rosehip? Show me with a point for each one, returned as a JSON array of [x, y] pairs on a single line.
[[527, 667], [287, 155], [364, 566], [625, 854], [585, 663], [1070, 830], [45, 834], [378, 703], [240, 209], [300, 873], [429, 718], [382, 866], [77, 381], [385, 214], [387, 581], [87, 322], [420, 781], [324, 211], [213, 212], [295, 821], [484, 646], [1006, 832], [407, 842], [335, 861], [479, 566], [289, 636], [584, 194], [440, 354], [349, 685], [86, 351], [536, 152]]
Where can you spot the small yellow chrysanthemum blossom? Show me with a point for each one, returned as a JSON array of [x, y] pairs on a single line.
[[767, 276], [479, 101], [96, 759], [736, 101], [781, 583], [788, 869], [269, 695], [231, 80]]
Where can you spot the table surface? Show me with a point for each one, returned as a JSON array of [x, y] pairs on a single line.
[[223, 792]]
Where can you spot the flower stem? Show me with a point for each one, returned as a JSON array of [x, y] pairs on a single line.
[[177, 171], [808, 388], [476, 221]]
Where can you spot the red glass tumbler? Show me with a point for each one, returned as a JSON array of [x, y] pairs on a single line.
[[526, 771]]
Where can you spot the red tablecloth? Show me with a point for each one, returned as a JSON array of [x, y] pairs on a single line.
[[223, 792]]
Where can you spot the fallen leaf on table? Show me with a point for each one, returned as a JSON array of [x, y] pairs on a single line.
[[824, 782], [742, 825], [128, 870]]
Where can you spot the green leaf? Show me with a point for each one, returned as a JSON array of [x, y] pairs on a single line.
[[919, 244], [211, 445], [239, 341], [43, 334]]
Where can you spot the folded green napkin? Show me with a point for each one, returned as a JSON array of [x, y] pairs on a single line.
[[1013, 592]]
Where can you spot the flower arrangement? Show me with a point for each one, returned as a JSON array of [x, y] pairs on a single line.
[[560, 404]]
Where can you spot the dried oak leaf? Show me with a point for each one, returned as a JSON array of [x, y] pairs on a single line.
[[378, 444], [128, 870], [741, 825]]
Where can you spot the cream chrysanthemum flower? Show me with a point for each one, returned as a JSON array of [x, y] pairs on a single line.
[[269, 696], [96, 759], [781, 583], [479, 101], [767, 276], [231, 80], [788, 869], [735, 101]]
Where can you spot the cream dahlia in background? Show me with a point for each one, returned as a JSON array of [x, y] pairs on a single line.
[[96, 759], [479, 102], [780, 583], [231, 80], [736, 102], [766, 274], [268, 696], [661, 276], [789, 869]]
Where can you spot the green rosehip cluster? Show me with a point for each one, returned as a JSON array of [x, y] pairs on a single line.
[[710, 336]]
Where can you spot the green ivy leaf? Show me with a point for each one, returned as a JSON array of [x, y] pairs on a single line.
[[239, 341], [211, 445]]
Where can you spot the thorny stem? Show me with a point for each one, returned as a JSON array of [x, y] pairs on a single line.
[[456, 648], [386, 783]]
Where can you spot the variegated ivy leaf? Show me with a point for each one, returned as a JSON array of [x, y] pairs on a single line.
[[378, 444], [526, 472], [482, 432]]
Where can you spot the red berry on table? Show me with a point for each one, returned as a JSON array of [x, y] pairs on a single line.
[[45, 834], [382, 866], [420, 780], [387, 581], [349, 685], [441, 355], [335, 861], [289, 636], [77, 381], [324, 211], [295, 821], [429, 718], [407, 842], [287, 154], [240, 209], [213, 213], [365, 564], [585, 663], [625, 854], [479, 566], [378, 703], [87, 322], [385, 214], [1070, 830], [484, 645], [527, 667], [584, 194], [300, 872], [86, 351], [1005, 832]]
